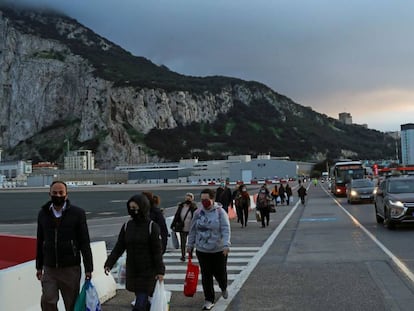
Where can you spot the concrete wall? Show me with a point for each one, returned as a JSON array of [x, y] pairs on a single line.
[[20, 289]]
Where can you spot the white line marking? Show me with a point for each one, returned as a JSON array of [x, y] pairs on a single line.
[[394, 258], [237, 284]]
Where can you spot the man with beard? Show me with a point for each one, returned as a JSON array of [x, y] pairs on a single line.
[[62, 235]]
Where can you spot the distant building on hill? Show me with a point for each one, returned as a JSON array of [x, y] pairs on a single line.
[[407, 144], [345, 118], [79, 160]]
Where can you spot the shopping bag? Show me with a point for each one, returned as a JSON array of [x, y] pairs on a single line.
[[159, 298], [258, 216], [191, 278], [92, 298], [232, 213], [80, 304], [174, 240]]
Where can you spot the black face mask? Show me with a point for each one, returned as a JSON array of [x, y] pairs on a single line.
[[188, 202], [135, 213], [58, 201]]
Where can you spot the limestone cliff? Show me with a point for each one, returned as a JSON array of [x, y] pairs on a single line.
[[44, 83], [63, 85]]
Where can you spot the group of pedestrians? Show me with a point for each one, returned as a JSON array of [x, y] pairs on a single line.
[[63, 236]]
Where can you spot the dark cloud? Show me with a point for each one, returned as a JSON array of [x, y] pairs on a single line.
[[310, 51]]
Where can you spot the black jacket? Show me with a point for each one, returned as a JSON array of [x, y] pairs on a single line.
[[157, 216], [143, 254], [224, 196], [177, 215], [59, 243]]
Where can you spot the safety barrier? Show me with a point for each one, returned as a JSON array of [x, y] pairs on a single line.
[[16, 250], [20, 289]]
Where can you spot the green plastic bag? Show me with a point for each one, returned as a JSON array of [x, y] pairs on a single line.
[[80, 304]]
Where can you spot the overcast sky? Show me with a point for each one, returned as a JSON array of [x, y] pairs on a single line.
[[354, 56]]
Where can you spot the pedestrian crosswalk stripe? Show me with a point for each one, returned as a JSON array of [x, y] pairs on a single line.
[[175, 270]]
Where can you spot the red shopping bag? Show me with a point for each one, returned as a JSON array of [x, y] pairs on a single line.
[[191, 279], [232, 213]]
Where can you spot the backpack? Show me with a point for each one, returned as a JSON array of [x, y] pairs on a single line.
[[262, 199]]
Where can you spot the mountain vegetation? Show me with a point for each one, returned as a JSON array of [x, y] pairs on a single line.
[[279, 126]]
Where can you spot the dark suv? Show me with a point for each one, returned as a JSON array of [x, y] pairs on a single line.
[[394, 201]]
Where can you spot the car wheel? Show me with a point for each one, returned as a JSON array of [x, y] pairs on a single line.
[[388, 222], [380, 220]]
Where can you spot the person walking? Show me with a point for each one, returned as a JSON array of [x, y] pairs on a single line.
[[302, 193], [157, 216], [263, 205], [275, 194], [62, 236], [224, 196], [140, 238], [288, 191], [182, 221], [210, 235], [242, 202], [282, 193]]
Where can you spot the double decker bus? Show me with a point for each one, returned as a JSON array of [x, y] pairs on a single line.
[[342, 172]]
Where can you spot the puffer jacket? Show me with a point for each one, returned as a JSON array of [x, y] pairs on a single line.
[[143, 254], [61, 245]]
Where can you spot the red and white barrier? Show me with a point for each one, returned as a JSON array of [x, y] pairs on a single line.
[[20, 289]]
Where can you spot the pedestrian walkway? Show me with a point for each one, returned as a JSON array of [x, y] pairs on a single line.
[[238, 259]]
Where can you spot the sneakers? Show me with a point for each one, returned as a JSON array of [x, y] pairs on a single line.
[[225, 294], [208, 305]]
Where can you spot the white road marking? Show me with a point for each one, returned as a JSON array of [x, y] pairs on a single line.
[[233, 288], [409, 274]]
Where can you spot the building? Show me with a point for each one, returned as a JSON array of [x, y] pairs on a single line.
[[263, 168], [15, 173], [79, 160], [345, 118], [407, 144]]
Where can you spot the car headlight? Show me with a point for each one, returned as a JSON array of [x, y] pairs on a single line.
[[354, 193], [396, 203], [396, 208]]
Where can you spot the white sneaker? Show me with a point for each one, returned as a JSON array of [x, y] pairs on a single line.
[[208, 305]]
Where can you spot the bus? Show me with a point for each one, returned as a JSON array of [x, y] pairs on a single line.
[[342, 173]]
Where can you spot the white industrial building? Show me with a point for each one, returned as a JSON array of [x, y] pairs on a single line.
[[79, 160]]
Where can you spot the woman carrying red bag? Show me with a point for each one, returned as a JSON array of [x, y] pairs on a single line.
[[210, 235]]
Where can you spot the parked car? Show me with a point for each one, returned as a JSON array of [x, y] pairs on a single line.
[[394, 201], [359, 190]]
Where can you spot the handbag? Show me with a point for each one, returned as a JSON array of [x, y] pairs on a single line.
[[191, 278], [159, 298], [178, 225]]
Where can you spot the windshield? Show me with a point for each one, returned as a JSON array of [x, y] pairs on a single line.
[[401, 186], [362, 183], [345, 176]]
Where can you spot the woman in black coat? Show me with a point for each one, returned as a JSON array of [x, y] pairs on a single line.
[[140, 237]]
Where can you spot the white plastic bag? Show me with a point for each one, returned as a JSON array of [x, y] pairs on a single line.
[[92, 299], [159, 298]]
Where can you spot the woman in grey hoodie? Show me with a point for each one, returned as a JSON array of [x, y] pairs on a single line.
[[210, 235]]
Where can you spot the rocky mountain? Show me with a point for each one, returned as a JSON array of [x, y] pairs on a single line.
[[63, 86]]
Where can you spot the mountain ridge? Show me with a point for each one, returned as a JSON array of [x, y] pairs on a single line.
[[128, 110]]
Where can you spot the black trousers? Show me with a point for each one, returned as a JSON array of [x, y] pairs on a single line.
[[243, 214], [212, 265], [183, 242], [265, 213]]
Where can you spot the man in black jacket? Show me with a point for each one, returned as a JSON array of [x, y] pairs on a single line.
[[62, 234], [224, 196]]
